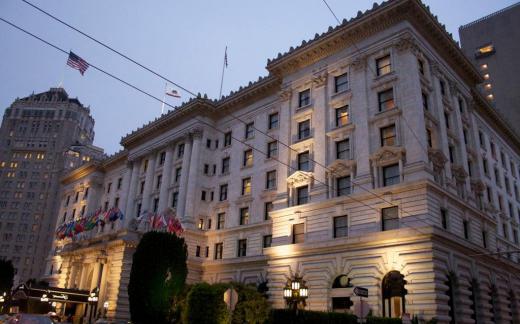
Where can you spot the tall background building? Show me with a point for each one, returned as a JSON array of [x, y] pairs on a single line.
[[493, 43], [41, 137]]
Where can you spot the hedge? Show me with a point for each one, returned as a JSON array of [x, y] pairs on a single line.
[[286, 316]]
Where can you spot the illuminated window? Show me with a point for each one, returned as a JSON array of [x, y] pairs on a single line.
[[298, 233], [383, 65], [485, 50], [248, 158], [244, 216], [221, 218], [246, 186], [342, 116], [386, 100]]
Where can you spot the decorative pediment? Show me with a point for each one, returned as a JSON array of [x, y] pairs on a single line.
[[387, 154], [437, 158], [300, 178], [341, 168], [459, 173]]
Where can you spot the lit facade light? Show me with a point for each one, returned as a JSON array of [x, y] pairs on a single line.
[[487, 86], [484, 66], [44, 298], [295, 293], [105, 305], [486, 76], [490, 96]]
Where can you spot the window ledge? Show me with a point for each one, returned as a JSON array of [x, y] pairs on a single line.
[[385, 114]]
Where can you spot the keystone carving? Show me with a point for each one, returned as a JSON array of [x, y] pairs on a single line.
[[319, 80]]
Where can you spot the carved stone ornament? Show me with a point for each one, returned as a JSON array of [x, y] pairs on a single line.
[[341, 168], [478, 186], [319, 80], [434, 66], [407, 42], [453, 87], [300, 178], [285, 94], [387, 154], [196, 132], [437, 158], [359, 62], [459, 173]]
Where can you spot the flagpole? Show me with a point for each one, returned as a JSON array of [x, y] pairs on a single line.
[[164, 97], [222, 78]]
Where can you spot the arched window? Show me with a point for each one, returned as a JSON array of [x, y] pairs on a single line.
[[340, 295], [394, 294]]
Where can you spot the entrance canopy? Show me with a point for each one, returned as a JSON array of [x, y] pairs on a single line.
[[53, 294]]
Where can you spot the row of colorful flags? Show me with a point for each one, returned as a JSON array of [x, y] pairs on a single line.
[[88, 223], [159, 221]]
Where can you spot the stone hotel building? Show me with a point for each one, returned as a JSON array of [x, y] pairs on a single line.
[[365, 156]]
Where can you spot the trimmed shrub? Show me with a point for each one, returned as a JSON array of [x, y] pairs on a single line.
[[205, 304]]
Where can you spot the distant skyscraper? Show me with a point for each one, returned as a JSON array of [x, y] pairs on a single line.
[[493, 44], [41, 136]]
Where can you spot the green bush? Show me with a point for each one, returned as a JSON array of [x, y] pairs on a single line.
[[205, 304], [252, 306], [158, 274]]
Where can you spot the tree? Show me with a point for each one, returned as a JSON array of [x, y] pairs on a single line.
[[6, 276], [158, 274], [205, 304]]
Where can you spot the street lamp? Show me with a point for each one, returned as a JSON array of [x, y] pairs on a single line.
[[2, 301], [92, 300], [44, 298], [295, 293], [105, 306]]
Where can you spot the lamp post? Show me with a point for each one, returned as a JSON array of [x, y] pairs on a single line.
[[92, 300], [44, 298], [295, 293], [105, 307]]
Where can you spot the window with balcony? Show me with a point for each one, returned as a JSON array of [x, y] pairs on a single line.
[[298, 232], [341, 226], [244, 216], [343, 186], [341, 83], [304, 129], [302, 195], [246, 186], [383, 65], [390, 218], [386, 99], [273, 121], [304, 98], [388, 135], [304, 161], [391, 175], [343, 149], [342, 116]]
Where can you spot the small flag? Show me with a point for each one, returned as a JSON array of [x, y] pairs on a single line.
[[173, 93], [77, 63]]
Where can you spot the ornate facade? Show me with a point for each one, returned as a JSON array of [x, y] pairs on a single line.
[[365, 154]]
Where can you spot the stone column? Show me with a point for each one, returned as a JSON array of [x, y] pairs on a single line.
[[191, 195], [166, 177], [148, 184], [131, 191], [181, 202], [319, 125]]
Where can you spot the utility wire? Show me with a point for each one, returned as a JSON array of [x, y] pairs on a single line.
[[159, 100]]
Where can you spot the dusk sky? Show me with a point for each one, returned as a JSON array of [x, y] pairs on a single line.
[[183, 40]]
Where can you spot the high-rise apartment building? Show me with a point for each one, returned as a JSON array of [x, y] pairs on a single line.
[[41, 137], [492, 43]]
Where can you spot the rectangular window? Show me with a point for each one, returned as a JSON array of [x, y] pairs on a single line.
[[420, 64], [221, 219], [197, 251], [425, 101], [225, 165], [158, 182], [341, 83], [138, 210], [383, 65], [250, 130], [268, 207], [203, 195], [304, 98], [242, 247], [273, 121], [267, 241], [244, 216], [246, 186], [119, 183], [302, 195], [341, 226], [270, 180], [391, 175], [175, 199], [85, 195], [219, 247], [465, 224], [223, 192], [180, 150], [303, 161], [141, 189], [208, 143], [342, 116], [343, 149], [304, 129], [442, 85], [451, 151], [444, 218], [504, 229], [162, 158], [481, 139], [386, 100], [248, 158], [227, 139], [515, 236], [178, 172], [206, 169], [155, 205], [298, 232], [272, 149], [390, 218], [484, 239], [343, 186], [145, 165], [429, 137], [388, 136]]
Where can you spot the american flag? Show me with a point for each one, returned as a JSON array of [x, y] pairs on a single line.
[[173, 93], [77, 63]]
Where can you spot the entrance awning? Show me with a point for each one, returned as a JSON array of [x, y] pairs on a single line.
[[54, 294]]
